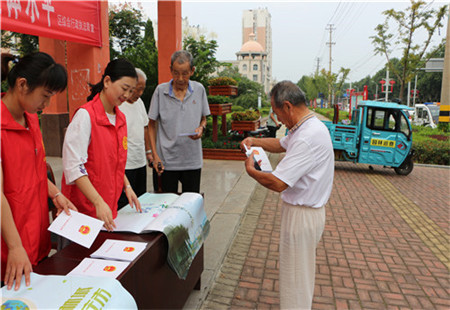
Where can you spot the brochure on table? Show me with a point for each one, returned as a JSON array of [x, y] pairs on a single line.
[[123, 250], [60, 292], [181, 218], [92, 267], [77, 227]]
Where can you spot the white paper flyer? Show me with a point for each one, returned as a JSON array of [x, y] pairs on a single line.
[[119, 250], [77, 227], [99, 268]]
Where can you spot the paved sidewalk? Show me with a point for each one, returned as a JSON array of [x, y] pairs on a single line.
[[385, 245]]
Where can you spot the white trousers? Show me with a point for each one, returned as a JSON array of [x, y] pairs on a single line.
[[301, 230]]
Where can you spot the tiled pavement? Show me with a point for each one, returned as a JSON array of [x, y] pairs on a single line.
[[385, 245]]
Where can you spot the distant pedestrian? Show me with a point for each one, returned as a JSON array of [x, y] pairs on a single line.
[[272, 124], [305, 179], [177, 123], [139, 152]]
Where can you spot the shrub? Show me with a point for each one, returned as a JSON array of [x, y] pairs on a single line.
[[223, 80], [228, 142], [218, 99], [249, 115], [236, 108]]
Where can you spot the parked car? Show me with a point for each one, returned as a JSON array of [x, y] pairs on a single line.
[[426, 115]]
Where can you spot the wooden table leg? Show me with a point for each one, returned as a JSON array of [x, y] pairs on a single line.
[[214, 129]]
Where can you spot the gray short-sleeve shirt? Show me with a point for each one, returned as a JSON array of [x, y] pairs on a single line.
[[174, 118]]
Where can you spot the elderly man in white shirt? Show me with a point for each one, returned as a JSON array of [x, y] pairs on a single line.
[[305, 179], [139, 152]]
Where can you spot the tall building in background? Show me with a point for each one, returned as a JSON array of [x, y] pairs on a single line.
[[254, 59], [255, 56], [258, 22]]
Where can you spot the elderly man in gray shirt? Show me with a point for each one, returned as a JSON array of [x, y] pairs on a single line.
[[177, 116]]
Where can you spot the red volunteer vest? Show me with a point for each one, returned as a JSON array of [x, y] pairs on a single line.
[[25, 184], [107, 156]]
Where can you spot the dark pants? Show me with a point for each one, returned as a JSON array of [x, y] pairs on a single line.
[[190, 181], [272, 131], [138, 182]]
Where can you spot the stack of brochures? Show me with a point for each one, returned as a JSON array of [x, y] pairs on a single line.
[[111, 259]]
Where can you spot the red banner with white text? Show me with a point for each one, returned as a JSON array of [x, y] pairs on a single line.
[[71, 20]]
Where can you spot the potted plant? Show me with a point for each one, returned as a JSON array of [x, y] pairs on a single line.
[[245, 121], [222, 86], [219, 105]]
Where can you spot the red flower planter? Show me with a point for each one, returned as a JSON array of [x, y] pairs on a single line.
[[223, 90], [223, 154], [220, 109], [245, 125]]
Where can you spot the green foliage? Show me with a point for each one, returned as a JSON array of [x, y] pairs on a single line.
[[246, 86], [418, 17], [265, 111], [329, 112], [236, 108], [247, 101], [445, 127], [431, 151], [125, 26], [221, 81], [249, 115], [313, 85], [218, 99], [145, 57], [205, 60], [228, 142], [230, 71], [27, 44]]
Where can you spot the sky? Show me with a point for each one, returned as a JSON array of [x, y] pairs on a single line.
[[299, 32]]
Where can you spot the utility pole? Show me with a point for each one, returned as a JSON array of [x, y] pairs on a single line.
[[387, 84], [444, 113], [330, 43], [317, 68]]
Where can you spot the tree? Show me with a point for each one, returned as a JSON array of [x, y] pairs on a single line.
[[231, 71], [23, 43], [125, 27], [145, 57], [429, 83], [247, 86], [416, 17], [205, 60]]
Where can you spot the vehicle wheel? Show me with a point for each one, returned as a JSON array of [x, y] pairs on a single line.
[[406, 167]]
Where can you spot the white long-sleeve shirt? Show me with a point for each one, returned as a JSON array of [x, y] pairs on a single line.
[[76, 143]]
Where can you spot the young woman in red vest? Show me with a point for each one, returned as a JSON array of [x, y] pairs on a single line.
[[95, 147], [25, 189]]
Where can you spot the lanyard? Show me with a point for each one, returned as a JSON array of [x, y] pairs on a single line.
[[301, 121]]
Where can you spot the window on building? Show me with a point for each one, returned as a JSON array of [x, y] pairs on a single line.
[[255, 67], [255, 77], [244, 67]]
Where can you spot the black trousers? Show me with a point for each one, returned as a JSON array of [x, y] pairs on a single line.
[[189, 179], [272, 131], [138, 182]]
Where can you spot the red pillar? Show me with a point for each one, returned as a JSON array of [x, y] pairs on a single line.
[[169, 36], [85, 63]]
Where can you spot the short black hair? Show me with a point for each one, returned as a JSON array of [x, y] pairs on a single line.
[[116, 69], [39, 69]]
